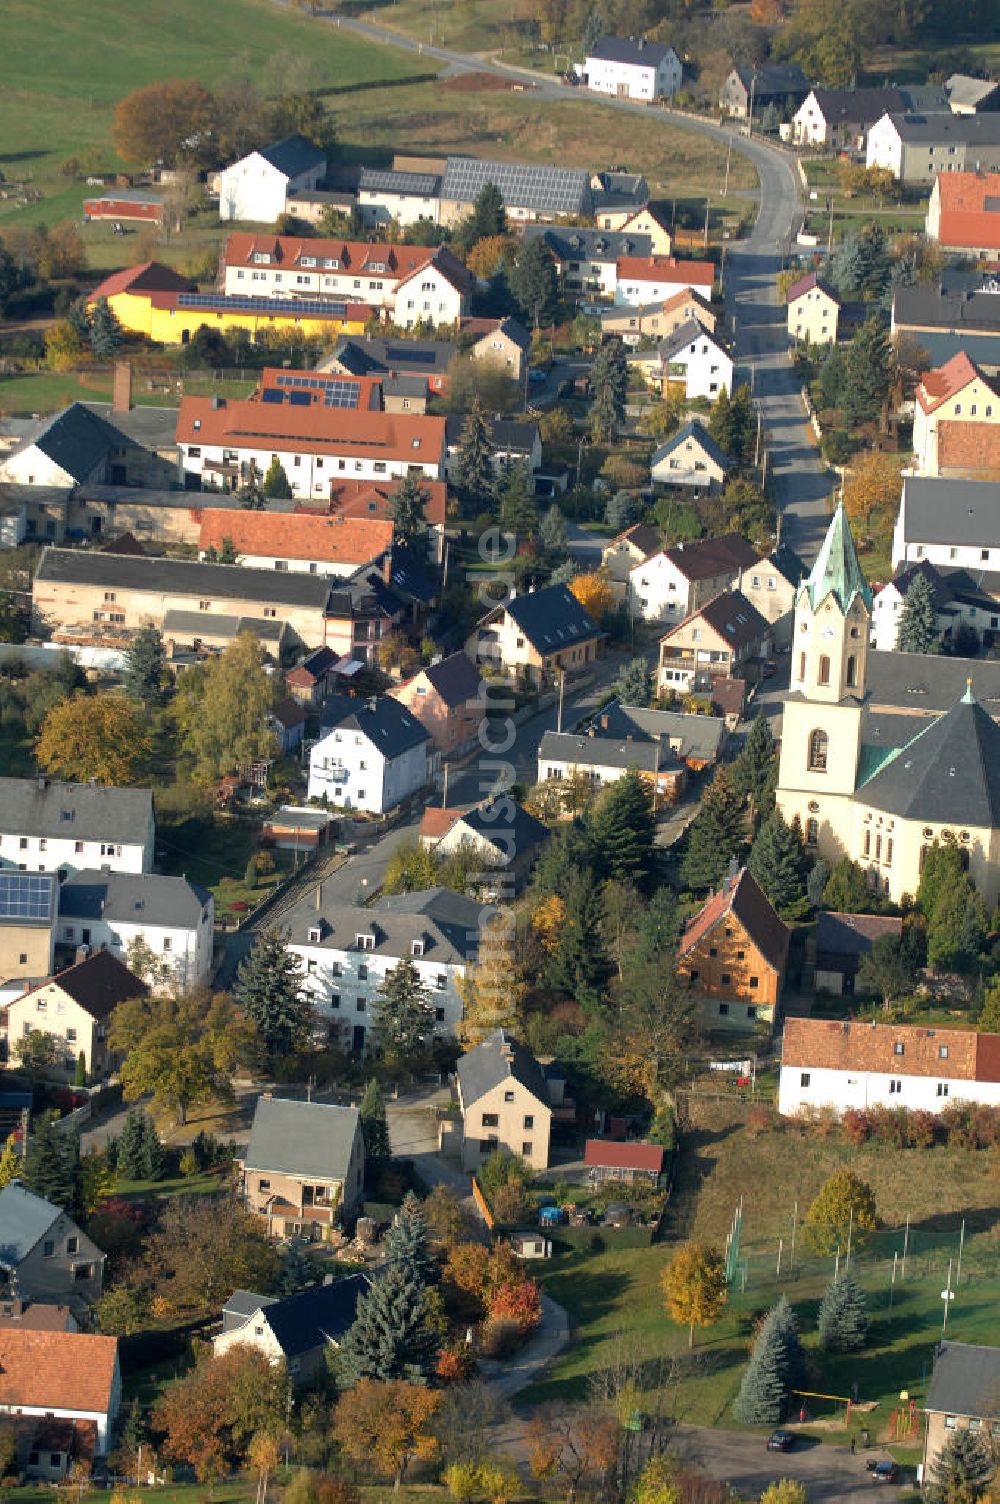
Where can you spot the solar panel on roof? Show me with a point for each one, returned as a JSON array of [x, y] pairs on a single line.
[[406, 355], [24, 895], [270, 395], [221, 303], [299, 399], [336, 390]]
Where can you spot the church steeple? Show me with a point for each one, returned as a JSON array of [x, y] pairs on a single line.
[[837, 569], [832, 620]]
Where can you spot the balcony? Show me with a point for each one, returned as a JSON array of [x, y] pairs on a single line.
[[335, 773]]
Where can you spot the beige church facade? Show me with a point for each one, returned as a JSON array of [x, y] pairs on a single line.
[[855, 796]]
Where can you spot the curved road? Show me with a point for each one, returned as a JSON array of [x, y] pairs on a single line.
[[801, 481]]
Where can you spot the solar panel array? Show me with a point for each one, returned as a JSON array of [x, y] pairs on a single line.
[[384, 180], [336, 390], [408, 355], [550, 190], [221, 303], [25, 895]]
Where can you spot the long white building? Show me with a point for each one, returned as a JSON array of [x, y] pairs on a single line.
[[841, 1064], [67, 827], [173, 917]]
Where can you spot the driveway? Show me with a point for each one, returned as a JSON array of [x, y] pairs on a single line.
[[827, 1470]]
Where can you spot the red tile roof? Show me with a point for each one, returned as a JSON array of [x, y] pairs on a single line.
[[293, 535], [259, 425], [56, 1370], [608, 1155], [837, 1045], [365, 498], [359, 257], [946, 381], [742, 898], [970, 210], [274, 378], [667, 269], [436, 823], [148, 276], [806, 284], [969, 449], [685, 295]]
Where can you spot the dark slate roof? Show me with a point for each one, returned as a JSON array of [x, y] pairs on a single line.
[[707, 557], [685, 334], [966, 1379], [294, 155], [788, 564], [370, 356], [861, 106], [506, 825], [734, 618], [313, 1317], [99, 983], [457, 918], [699, 735], [639, 52], [132, 898], [648, 540], [949, 772], [952, 512], [199, 624], [302, 1138], [771, 78], [499, 1058], [948, 130], [448, 923], [700, 434], [573, 244], [552, 618], [852, 934], [456, 679], [602, 752], [942, 589], [954, 308], [511, 435], [247, 1303], [386, 724], [940, 345], [77, 439], [182, 577], [83, 811], [928, 683], [24, 1219]]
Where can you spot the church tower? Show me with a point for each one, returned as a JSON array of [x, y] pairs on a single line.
[[824, 712]]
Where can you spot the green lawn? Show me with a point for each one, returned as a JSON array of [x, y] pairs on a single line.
[[215, 853], [616, 1293], [63, 77], [47, 391], [206, 1183]]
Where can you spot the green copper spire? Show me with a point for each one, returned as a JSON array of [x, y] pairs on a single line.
[[968, 698], [837, 568]]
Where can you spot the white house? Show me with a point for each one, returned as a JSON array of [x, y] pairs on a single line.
[[385, 194], [954, 523], [692, 357], [372, 755], [258, 186], [70, 1376], [70, 827], [674, 582], [640, 280], [74, 447], [633, 68], [841, 117], [172, 916], [692, 459], [346, 953], [956, 419], [833, 1063], [915, 148]]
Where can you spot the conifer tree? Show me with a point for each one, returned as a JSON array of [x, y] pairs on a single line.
[[533, 282], [755, 771], [843, 1316], [143, 672], [773, 1370], [408, 510], [961, 1470], [579, 964], [518, 511], [276, 483], [52, 1164], [405, 1020], [473, 466], [139, 1154], [779, 863], [374, 1128], [869, 367], [917, 632], [609, 383], [623, 829], [408, 1241], [105, 330], [634, 684], [390, 1338], [715, 835], [552, 533], [296, 1272], [268, 992]]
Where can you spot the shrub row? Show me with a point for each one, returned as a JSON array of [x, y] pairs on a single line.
[[961, 1125]]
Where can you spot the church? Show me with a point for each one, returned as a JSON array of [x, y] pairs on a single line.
[[857, 793]]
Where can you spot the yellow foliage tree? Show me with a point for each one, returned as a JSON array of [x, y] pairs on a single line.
[[493, 989], [844, 1208], [489, 254], [386, 1425], [549, 921], [64, 349], [10, 1162], [872, 491], [102, 737], [593, 591], [694, 1286]]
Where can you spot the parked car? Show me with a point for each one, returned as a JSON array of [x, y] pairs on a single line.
[[537, 377], [885, 1471], [781, 1441]]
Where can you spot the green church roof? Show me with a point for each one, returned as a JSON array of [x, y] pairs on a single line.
[[837, 569]]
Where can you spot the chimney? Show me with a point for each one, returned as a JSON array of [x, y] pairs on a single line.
[[387, 566], [121, 390], [217, 401], [604, 722]]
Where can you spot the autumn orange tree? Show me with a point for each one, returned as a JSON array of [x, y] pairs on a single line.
[[576, 1443], [101, 737], [153, 122], [872, 491], [593, 591], [212, 1416], [489, 254], [387, 1425], [694, 1285]]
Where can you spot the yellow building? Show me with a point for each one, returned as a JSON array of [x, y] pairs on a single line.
[[645, 222], [75, 1008], [853, 791], [157, 303], [813, 312]]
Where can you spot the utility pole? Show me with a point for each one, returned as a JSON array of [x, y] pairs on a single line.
[[947, 1295], [562, 689], [753, 88], [444, 573], [444, 791], [906, 1247], [729, 158], [708, 205], [829, 233]]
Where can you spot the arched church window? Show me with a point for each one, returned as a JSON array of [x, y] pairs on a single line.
[[852, 671], [819, 744], [823, 676], [812, 832], [802, 665]]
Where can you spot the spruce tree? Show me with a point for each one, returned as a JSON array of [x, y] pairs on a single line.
[[868, 372], [407, 1241], [715, 835], [276, 484], [533, 282], [408, 510], [816, 883], [779, 863], [634, 684], [374, 1128], [296, 1272], [917, 631], [518, 509], [961, 1470], [267, 991], [405, 1021], [105, 330], [489, 217], [609, 385], [473, 466], [623, 510], [52, 1164], [143, 671], [755, 771], [774, 1369], [131, 1148], [390, 1338], [579, 964], [623, 830], [843, 1316]]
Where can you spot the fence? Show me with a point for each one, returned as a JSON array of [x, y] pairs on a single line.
[[481, 1203]]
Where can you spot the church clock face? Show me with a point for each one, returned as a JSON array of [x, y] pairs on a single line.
[[827, 632]]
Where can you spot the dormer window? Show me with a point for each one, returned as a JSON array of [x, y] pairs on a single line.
[[315, 934], [365, 942], [417, 948]]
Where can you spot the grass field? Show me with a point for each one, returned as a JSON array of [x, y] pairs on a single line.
[[47, 391], [62, 79], [216, 855], [615, 1293]]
